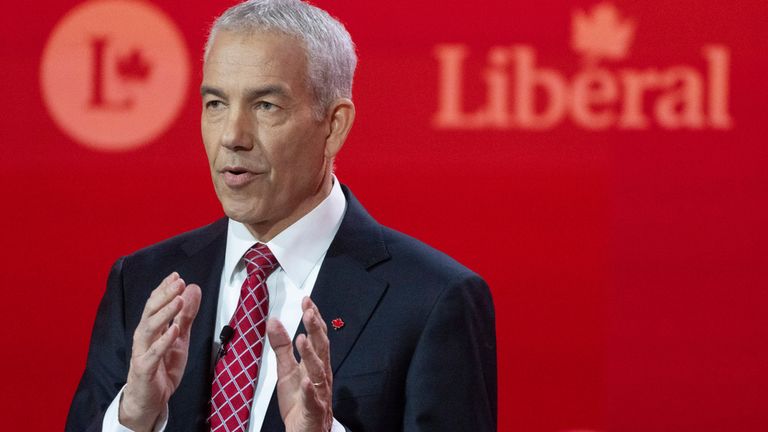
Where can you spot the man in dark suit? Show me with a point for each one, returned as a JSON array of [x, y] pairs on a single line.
[[396, 336]]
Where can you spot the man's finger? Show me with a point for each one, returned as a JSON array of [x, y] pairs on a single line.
[[151, 358], [164, 293], [307, 303], [158, 290], [280, 342], [314, 366], [153, 326], [192, 296], [318, 336], [312, 400]]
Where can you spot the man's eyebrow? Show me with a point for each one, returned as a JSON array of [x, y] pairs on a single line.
[[268, 90], [251, 94], [206, 90]]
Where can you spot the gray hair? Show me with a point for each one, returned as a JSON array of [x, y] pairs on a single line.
[[331, 58]]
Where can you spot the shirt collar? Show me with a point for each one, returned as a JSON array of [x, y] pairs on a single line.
[[298, 247]]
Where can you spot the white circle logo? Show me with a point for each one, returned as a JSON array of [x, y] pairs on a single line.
[[114, 74]]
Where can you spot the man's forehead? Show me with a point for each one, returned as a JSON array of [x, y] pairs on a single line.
[[254, 64]]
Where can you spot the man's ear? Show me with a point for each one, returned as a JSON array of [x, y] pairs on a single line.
[[342, 115]]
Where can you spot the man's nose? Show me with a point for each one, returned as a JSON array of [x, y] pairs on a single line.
[[239, 133]]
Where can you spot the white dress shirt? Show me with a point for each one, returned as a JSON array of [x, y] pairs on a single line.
[[299, 249]]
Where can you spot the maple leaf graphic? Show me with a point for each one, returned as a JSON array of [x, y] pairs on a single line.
[[602, 33], [133, 67]]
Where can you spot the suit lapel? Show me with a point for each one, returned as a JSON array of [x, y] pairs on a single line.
[[203, 266], [344, 288]]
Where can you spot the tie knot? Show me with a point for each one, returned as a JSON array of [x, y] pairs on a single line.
[[259, 258]]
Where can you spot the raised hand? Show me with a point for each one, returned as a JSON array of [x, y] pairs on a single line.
[[159, 352], [304, 389]]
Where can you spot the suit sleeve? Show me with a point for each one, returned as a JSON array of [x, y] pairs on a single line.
[[451, 384], [106, 366]]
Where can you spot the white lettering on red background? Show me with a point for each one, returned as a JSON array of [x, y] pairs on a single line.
[[597, 97]]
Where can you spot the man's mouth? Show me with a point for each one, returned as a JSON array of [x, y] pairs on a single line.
[[235, 176]]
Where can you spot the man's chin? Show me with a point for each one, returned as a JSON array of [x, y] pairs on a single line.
[[242, 214], [239, 217]]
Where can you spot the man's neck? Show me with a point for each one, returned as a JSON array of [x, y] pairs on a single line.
[[266, 231]]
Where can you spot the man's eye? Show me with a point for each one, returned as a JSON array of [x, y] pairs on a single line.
[[266, 106], [214, 104]]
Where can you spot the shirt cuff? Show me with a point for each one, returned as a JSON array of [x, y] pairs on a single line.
[[111, 421], [337, 427]]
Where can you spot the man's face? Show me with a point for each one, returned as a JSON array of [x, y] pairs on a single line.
[[264, 146]]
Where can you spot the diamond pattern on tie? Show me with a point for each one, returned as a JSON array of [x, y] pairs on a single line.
[[237, 371]]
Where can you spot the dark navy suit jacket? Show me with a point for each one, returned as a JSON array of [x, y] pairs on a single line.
[[417, 351]]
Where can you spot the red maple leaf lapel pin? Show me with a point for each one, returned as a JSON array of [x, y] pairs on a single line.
[[337, 323]]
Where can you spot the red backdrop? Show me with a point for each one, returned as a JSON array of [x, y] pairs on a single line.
[[602, 165]]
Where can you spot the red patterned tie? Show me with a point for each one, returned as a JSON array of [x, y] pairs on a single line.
[[238, 369]]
